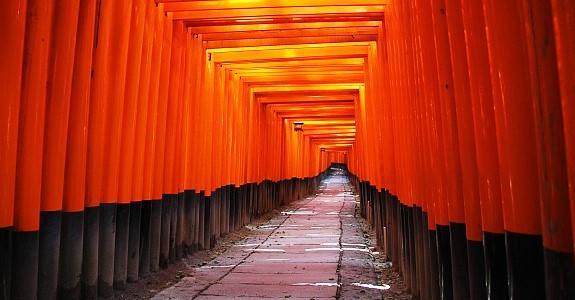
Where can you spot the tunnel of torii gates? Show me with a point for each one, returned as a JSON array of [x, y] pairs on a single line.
[[135, 132]]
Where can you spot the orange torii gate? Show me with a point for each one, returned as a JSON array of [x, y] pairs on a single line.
[[135, 132]]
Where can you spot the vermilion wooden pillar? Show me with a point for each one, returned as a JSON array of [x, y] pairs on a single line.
[[486, 149], [452, 157], [60, 72], [127, 150], [517, 149], [159, 161], [466, 139], [30, 150], [113, 215], [564, 21], [73, 216], [551, 155], [12, 35]]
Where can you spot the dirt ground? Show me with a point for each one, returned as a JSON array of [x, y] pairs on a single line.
[[385, 273]]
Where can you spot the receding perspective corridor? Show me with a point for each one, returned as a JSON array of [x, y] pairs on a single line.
[[314, 249], [397, 149]]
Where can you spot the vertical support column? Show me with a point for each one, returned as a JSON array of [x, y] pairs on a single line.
[[141, 237], [60, 72], [12, 32], [452, 160], [160, 159], [563, 11], [127, 153], [142, 212], [517, 149], [467, 148], [552, 160], [113, 230], [73, 217], [96, 148], [486, 149], [170, 140], [25, 256]]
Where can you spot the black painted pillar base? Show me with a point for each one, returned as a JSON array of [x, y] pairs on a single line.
[[189, 223], [201, 221], [213, 218], [495, 265], [444, 262], [164, 257], [173, 227], [476, 266], [135, 231], [121, 245], [459, 269], [419, 262], [434, 288], [207, 200], [156, 227], [230, 216], [71, 244], [559, 274], [145, 241], [226, 217], [106, 250], [180, 228], [25, 265], [424, 233], [90, 253], [217, 199], [49, 254], [196, 221], [5, 262], [525, 266]]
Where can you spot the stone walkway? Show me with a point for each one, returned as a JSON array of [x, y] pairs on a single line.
[[313, 250]]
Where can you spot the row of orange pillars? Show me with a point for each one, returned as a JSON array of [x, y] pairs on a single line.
[[134, 132]]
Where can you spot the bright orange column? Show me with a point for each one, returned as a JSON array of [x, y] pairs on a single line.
[[61, 66], [12, 33], [551, 155], [35, 75], [564, 21], [131, 102], [489, 184], [58, 97], [516, 141]]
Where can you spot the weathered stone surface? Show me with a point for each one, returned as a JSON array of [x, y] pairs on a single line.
[[317, 248]]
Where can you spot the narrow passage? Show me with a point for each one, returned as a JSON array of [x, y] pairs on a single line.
[[315, 249]]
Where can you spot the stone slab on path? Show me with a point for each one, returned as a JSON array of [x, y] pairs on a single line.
[[315, 249]]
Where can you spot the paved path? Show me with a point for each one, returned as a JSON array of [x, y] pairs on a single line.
[[314, 250]]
